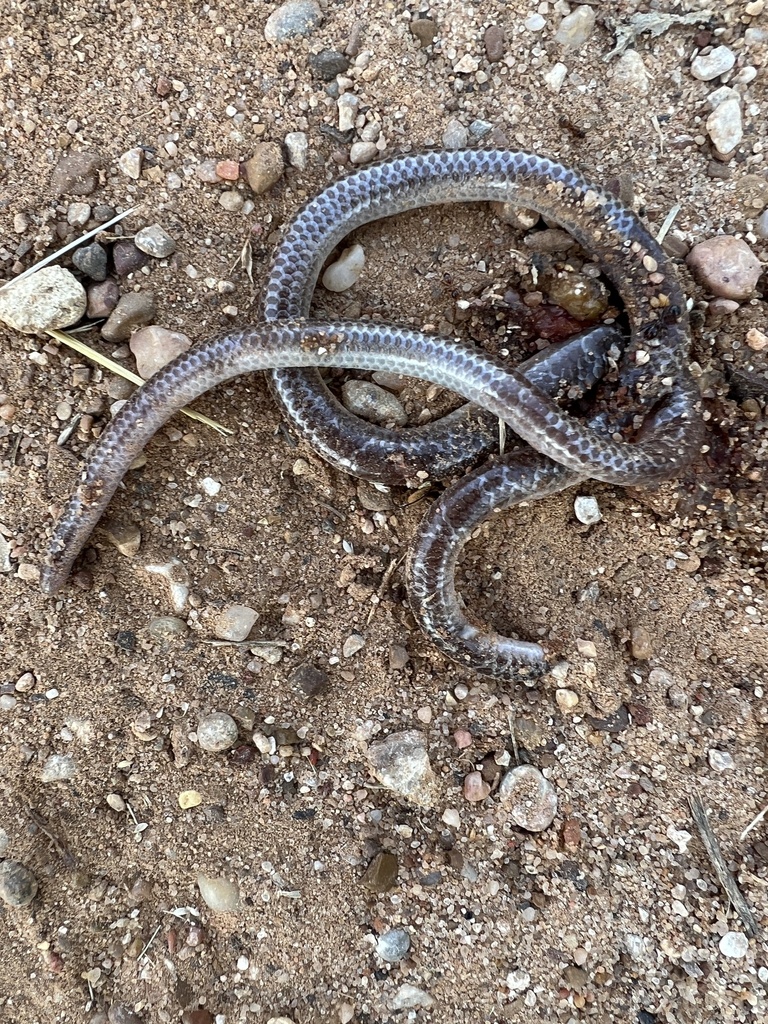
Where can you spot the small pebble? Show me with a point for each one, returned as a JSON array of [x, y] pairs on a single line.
[[292, 19], [587, 510], [91, 260], [327, 64], [586, 648], [127, 258], [76, 174], [167, 627], [372, 403], [116, 802], [50, 298], [725, 127], [455, 136], [584, 297], [401, 763], [529, 798], [466, 65], [265, 167], [352, 645], [726, 266], [734, 945], [58, 768], [155, 241], [757, 340], [18, 886], [494, 41], [550, 240], [25, 682], [425, 30], [567, 700], [120, 1013], [475, 787], [576, 28], [347, 105], [706, 66], [217, 732], [103, 296], [761, 225], [154, 347], [393, 946], [227, 170], [78, 214], [720, 760], [463, 739], [346, 270], [220, 894], [630, 75], [409, 997], [189, 798], [297, 148], [555, 77], [231, 201], [125, 537], [641, 643], [133, 310], [363, 152], [381, 874], [309, 679], [398, 657], [130, 163], [235, 622], [535, 23]]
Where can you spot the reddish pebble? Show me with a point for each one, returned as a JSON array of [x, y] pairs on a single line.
[[571, 833], [462, 738], [475, 787], [229, 170]]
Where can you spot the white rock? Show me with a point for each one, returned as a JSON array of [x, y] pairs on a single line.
[[535, 23], [455, 136], [297, 147], [707, 66], [576, 28], [292, 19], [408, 996], [177, 579], [734, 945], [555, 77], [394, 945], [401, 763], [154, 347], [529, 798], [346, 271], [352, 645], [347, 105], [724, 126], [50, 298], [363, 152], [725, 92], [58, 768], [130, 163], [587, 510], [235, 622], [217, 732], [720, 760], [155, 241], [518, 981], [220, 894], [368, 400], [630, 74], [467, 65]]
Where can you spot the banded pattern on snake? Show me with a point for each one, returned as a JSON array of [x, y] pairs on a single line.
[[653, 374]]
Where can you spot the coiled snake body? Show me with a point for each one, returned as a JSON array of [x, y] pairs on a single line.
[[653, 373]]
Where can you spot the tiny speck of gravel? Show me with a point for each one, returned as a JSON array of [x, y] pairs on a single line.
[[217, 732]]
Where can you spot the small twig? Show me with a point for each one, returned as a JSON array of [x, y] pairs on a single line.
[[724, 876], [753, 824], [66, 855], [121, 371], [669, 220], [388, 573], [149, 942]]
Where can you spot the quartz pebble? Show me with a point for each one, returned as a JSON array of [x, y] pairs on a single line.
[[133, 310], [297, 148], [125, 537], [529, 798], [567, 700], [352, 645], [455, 136], [408, 997], [130, 163], [576, 28], [292, 19], [720, 760], [58, 768], [50, 298], [116, 802], [393, 946], [18, 886], [725, 127], [177, 579], [734, 945], [346, 270], [476, 788], [401, 763], [154, 347], [555, 77], [706, 66], [381, 873], [363, 152], [726, 266], [167, 627], [217, 732], [155, 241], [587, 510], [265, 167], [220, 894], [372, 403], [232, 202], [347, 105], [630, 75], [235, 622]]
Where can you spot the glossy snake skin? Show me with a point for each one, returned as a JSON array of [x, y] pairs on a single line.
[[653, 374]]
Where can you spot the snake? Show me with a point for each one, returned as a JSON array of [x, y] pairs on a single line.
[[653, 381]]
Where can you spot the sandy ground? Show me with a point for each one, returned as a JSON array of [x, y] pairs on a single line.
[[611, 914]]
